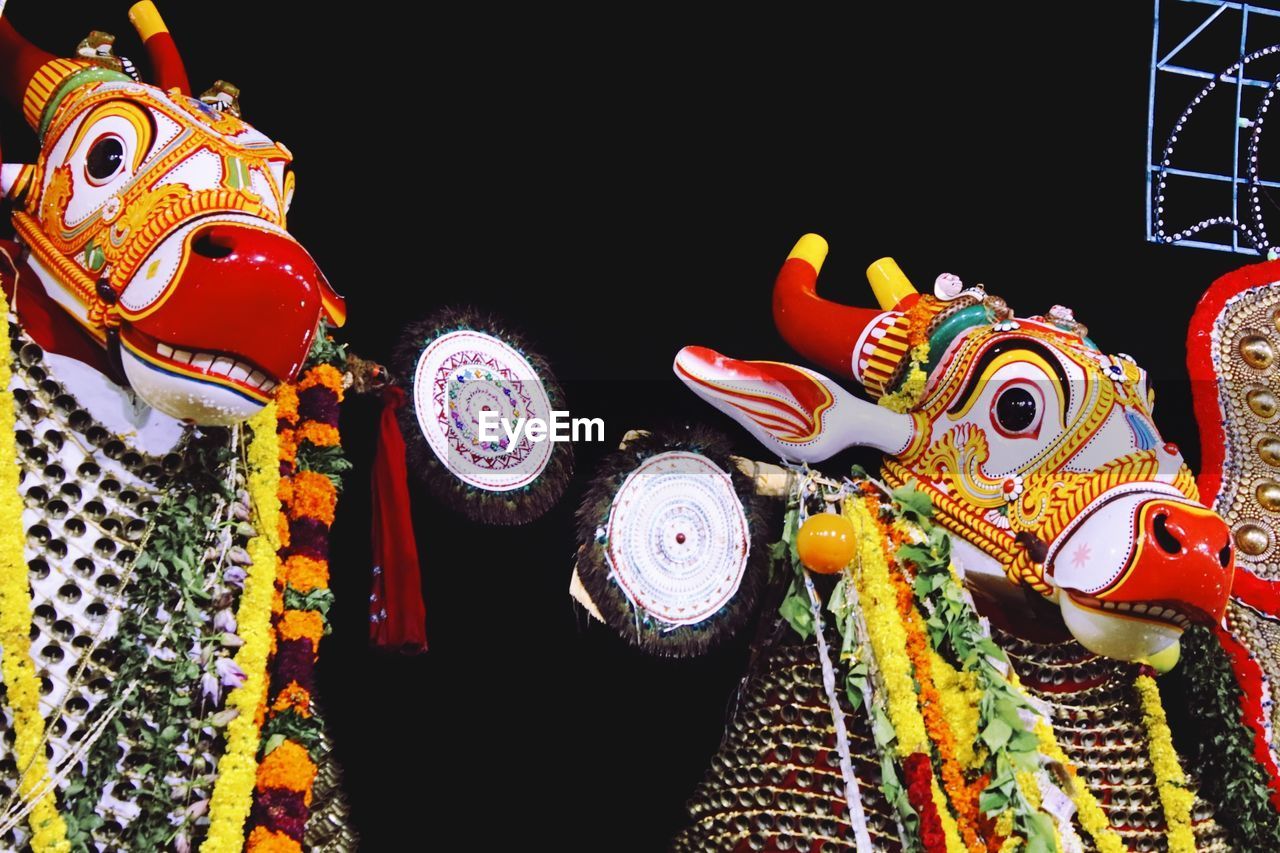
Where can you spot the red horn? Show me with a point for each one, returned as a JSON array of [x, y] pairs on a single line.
[[825, 332], [19, 62], [166, 63]]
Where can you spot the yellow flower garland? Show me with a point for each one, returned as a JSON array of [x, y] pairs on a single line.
[[912, 387], [1171, 782], [233, 793], [49, 831], [888, 637], [960, 697], [950, 830], [1092, 817], [888, 644]]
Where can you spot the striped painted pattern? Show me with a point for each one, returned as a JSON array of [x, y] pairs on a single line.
[[880, 351], [43, 85]]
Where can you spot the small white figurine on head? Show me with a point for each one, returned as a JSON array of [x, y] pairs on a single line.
[[947, 286]]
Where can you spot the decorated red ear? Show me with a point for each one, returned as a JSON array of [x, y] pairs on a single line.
[[166, 63]]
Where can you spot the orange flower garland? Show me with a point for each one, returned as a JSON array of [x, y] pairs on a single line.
[[287, 404], [305, 573], [321, 435], [288, 767], [312, 495], [293, 697], [263, 840], [307, 415], [963, 797], [301, 625], [325, 376]]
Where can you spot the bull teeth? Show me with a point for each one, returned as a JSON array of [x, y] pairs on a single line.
[[1155, 610], [1139, 608], [216, 365]]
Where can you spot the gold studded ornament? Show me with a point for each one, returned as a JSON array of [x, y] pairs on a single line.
[[1233, 357]]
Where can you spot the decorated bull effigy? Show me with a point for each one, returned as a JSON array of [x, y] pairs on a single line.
[[1035, 631], [169, 466]]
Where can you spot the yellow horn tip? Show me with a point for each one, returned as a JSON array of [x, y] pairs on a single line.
[[810, 248], [889, 283], [146, 19]]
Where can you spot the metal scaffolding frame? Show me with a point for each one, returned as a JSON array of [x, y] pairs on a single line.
[[1238, 80]]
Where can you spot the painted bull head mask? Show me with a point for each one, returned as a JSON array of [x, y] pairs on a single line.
[[157, 221], [1038, 450]]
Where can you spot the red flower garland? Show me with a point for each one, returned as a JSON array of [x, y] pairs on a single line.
[[919, 776]]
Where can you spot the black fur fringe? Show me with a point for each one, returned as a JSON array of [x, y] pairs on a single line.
[[518, 506], [593, 567]]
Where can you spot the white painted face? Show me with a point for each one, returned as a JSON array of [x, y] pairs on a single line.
[[180, 209], [1029, 397], [1046, 437], [132, 132]]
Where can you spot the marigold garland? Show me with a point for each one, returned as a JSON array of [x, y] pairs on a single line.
[[321, 435], [233, 794], [960, 697], [288, 447], [287, 404], [1171, 782], [49, 830], [1088, 811], [963, 799], [288, 768], [888, 638], [263, 840], [908, 393], [889, 641], [311, 495], [294, 697], [301, 625], [324, 376], [306, 574], [919, 778]]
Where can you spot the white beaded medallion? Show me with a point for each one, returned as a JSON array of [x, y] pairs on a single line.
[[461, 374], [677, 538]]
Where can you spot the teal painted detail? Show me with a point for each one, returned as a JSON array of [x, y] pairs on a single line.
[[948, 329], [92, 74]]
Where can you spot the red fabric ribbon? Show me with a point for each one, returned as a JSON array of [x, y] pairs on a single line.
[[397, 615]]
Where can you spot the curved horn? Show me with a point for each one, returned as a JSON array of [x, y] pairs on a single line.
[[893, 290], [166, 62], [823, 331], [19, 62]]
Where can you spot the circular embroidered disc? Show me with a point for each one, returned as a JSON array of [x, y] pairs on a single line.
[[678, 539], [460, 377]]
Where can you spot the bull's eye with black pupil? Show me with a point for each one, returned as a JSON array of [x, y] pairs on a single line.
[[1016, 409], [105, 158]]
